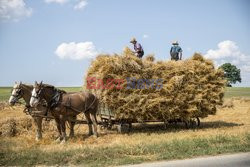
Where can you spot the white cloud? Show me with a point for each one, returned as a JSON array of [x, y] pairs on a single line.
[[56, 1], [81, 4], [14, 10], [226, 49], [229, 52], [145, 36], [76, 51], [78, 4]]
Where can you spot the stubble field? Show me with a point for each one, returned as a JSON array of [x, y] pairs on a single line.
[[226, 132]]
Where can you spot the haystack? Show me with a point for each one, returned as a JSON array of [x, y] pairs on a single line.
[[22, 125], [15, 126], [181, 89]]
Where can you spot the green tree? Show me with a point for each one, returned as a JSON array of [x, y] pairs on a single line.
[[232, 73]]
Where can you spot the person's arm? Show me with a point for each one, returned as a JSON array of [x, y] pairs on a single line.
[[180, 55], [135, 48], [180, 52], [139, 48]]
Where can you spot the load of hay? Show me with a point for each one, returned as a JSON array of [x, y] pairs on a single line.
[[180, 89]]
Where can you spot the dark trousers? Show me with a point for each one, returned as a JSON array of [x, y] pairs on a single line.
[[140, 54], [175, 56]]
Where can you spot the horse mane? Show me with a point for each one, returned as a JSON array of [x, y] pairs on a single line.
[[53, 87], [28, 85], [47, 86]]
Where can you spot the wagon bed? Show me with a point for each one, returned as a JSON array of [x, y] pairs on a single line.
[[108, 120]]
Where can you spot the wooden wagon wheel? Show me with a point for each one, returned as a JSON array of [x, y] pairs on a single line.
[[130, 126], [110, 125], [198, 121], [104, 124], [123, 128], [192, 122]]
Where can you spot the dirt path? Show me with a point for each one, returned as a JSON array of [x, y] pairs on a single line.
[[239, 160]]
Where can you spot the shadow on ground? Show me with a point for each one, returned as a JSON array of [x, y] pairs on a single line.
[[160, 127]]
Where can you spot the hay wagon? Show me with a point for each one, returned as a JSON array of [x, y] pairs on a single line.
[[108, 120], [155, 91]]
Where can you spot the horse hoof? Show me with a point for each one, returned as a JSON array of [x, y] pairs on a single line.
[[38, 138], [58, 140], [63, 141]]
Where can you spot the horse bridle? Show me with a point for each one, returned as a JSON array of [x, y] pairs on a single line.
[[38, 93], [18, 95]]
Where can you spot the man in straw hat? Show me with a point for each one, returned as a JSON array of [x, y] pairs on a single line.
[[137, 47], [176, 51]]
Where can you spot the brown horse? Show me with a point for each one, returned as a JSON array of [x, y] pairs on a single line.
[[64, 105], [24, 91]]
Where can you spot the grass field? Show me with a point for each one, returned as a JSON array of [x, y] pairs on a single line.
[[230, 92], [237, 92], [37, 154], [226, 132]]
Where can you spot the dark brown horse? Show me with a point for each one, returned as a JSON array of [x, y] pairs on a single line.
[[24, 91], [64, 105]]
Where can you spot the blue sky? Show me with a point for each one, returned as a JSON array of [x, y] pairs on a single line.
[[38, 39]]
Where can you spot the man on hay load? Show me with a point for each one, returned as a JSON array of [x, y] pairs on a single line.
[[139, 52], [176, 51]]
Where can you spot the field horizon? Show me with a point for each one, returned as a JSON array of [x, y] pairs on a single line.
[[230, 91]]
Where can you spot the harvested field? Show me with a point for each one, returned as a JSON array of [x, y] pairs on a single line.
[[227, 131]]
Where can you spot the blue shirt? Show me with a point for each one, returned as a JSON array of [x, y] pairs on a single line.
[[175, 49], [138, 47]]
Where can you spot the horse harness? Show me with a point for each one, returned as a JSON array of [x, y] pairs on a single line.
[[57, 100], [27, 110]]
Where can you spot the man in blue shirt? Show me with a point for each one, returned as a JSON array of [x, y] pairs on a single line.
[[176, 51], [139, 52]]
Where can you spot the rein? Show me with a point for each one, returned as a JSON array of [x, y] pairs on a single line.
[[27, 109]]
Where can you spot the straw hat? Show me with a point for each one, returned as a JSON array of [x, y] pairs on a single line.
[[133, 40], [175, 43]]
